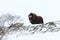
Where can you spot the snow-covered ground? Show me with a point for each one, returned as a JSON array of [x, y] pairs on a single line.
[[27, 35], [13, 28], [36, 36]]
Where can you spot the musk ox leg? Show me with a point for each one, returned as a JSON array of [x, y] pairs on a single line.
[[41, 27]]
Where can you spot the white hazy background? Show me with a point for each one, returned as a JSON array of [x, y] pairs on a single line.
[[48, 9]]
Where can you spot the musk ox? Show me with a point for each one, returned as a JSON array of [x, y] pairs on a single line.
[[34, 19]]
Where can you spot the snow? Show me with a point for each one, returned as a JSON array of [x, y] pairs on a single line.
[[19, 31], [13, 28], [36, 36]]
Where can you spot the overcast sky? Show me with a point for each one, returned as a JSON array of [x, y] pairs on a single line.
[[48, 9]]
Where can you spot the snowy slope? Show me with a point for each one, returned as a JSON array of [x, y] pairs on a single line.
[[13, 28]]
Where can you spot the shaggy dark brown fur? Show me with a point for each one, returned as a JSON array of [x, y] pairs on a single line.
[[34, 19]]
